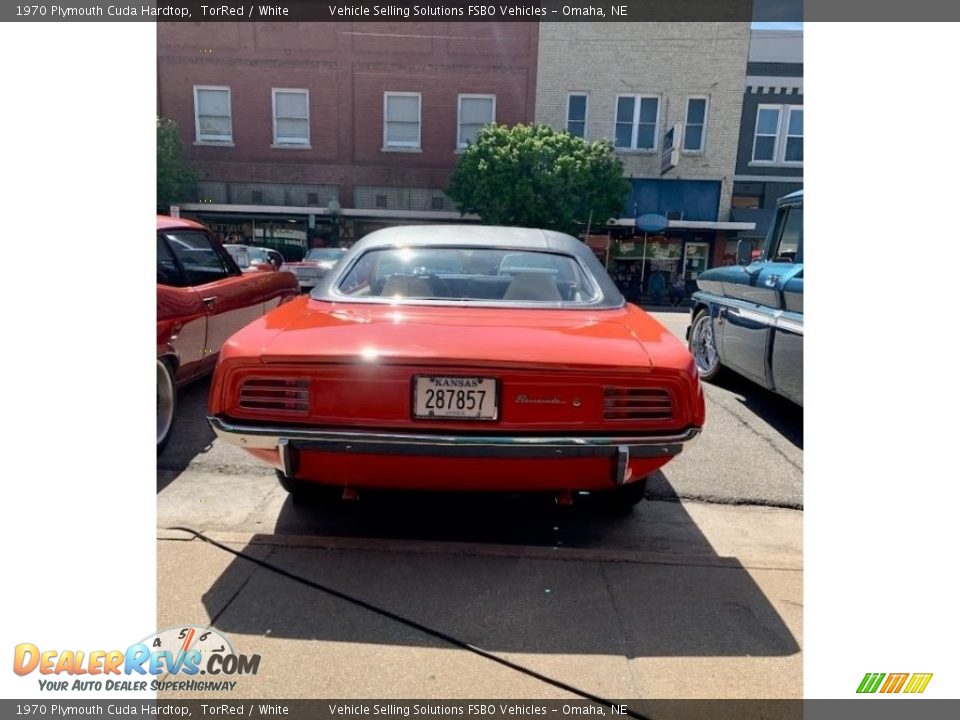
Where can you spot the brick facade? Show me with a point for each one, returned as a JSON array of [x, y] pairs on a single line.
[[671, 60], [346, 67]]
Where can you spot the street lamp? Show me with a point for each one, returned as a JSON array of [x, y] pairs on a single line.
[[333, 207]]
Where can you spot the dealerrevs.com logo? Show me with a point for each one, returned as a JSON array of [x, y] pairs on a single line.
[[184, 653], [910, 683]]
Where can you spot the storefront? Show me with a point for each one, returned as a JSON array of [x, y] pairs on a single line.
[[290, 236], [645, 267], [294, 230]]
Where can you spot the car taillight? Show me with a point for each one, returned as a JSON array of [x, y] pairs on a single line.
[[620, 403], [290, 395]]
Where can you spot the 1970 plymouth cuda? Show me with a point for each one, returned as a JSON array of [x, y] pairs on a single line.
[[202, 299], [749, 317], [460, 358]]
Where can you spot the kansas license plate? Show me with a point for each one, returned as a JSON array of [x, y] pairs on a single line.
[[468, 398]]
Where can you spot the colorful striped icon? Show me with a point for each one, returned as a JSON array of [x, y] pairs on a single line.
[[894, 682]]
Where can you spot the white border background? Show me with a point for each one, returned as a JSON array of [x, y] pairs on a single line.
[[881, 538], [880, 475], [78, 513]]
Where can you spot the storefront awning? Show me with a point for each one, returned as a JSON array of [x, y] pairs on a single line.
[[689, 224], [359, 213]]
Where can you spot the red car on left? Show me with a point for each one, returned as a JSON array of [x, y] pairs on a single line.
[[202, 299]]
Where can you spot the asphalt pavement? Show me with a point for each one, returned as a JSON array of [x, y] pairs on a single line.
[[696, 593]]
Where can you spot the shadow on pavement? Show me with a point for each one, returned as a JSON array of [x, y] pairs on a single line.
[[532, 599], [191, 435], [782, 415]]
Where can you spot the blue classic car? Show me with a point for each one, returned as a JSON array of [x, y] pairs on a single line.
[[749, 317]]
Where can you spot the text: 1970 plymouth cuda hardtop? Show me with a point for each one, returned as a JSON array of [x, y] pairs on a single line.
[[749, 317]]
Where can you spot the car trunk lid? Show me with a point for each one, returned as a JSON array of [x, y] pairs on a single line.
[[473, 337]]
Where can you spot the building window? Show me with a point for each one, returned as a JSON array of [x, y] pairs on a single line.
[[638, 118], [473, 113], [778, 138], [401, 120], [381, 201], [436, 203], [793, 150], [577, 115], [291, 117], [767, 133], [695, 131], [212, 113]]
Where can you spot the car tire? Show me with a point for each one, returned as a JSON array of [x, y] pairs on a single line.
[[166, 402], [620, 500], [703, 347], [300, 490], [291, 485]]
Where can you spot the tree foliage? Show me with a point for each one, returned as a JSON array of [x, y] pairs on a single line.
[[175, 177], [534, 176]]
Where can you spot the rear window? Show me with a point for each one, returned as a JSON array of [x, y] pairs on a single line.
[[469, 274]]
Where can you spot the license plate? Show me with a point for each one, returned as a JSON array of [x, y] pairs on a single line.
[[465, 398]]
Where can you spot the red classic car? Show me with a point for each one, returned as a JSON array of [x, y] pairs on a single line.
[[460, 358], [202, 299], [317, 263]]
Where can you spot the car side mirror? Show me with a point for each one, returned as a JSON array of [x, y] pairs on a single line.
[[744, 252]]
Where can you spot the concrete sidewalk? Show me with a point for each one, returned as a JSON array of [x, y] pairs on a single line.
[[705, 603]]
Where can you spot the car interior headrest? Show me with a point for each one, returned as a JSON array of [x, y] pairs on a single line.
[[533, 286]]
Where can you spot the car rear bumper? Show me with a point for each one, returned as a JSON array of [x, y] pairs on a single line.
[[625, 455]]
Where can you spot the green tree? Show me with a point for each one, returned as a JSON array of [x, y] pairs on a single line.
[[175, 178], [534, 176]]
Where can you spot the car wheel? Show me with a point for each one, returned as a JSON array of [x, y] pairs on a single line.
[[703, 346], [166, 403], [314, 492], [291, 485], [621, 499]]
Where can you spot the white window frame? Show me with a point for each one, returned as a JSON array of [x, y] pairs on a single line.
[[776, 138], [786, 136], [198, 137], [461, 145], [635, 126], [780, 141], [290, 142], [686, 121], [403, 146], [586, 112]]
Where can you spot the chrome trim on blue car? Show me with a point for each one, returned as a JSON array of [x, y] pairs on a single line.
[[773, 317]]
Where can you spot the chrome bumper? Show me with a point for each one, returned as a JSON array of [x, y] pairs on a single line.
[[286, 440]]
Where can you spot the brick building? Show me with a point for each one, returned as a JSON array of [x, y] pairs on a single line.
[[308, 131], [634, 83]]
